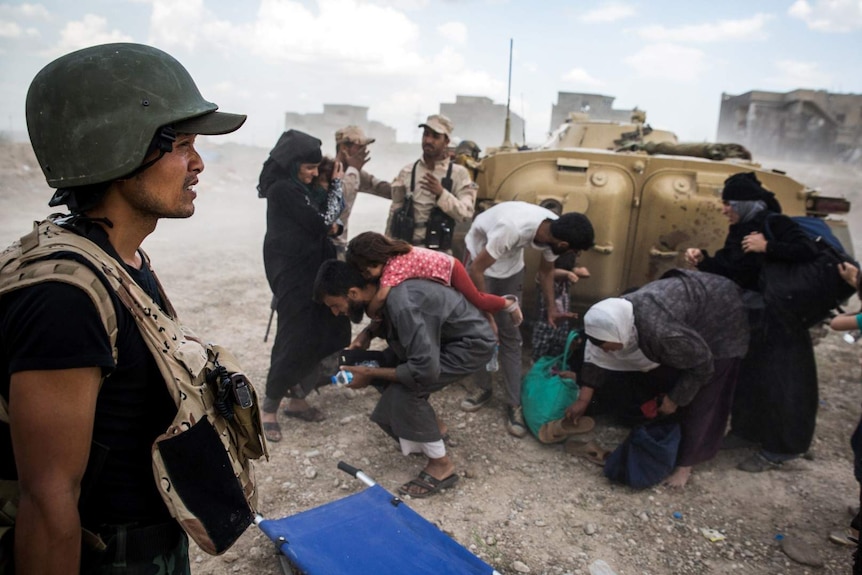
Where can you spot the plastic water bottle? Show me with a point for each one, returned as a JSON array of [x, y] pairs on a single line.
[[370, 363], [493, 363], [341, 378]]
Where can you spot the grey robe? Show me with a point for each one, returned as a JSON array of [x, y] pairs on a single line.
[[438, 337]]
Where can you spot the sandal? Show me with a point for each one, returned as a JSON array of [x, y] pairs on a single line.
[[311, 414], [559, 430], [757, 463], [428, 484], [272, 431], [589, 450]]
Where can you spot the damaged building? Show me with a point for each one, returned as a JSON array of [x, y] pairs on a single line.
[[598, 106], [813, 125]]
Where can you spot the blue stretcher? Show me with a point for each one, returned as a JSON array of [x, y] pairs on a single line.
[[371, 532]]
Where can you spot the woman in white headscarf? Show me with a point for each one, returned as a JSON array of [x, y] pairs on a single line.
[[690, 321]]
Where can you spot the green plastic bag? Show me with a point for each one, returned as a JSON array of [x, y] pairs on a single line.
[[544, 394]]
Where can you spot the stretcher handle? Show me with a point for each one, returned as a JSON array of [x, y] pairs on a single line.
[[357, 473]]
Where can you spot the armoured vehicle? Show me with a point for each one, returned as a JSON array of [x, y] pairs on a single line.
[[648, 197]]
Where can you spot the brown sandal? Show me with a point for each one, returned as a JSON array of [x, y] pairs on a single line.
[[272, 431]]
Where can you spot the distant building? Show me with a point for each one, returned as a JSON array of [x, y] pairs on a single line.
[[479, 119], [599, 107], [335, 116], [802, 124]]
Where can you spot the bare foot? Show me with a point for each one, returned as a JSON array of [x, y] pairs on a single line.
[[440, 468], [679, 477]]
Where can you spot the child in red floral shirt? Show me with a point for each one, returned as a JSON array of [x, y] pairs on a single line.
[[394, 261]]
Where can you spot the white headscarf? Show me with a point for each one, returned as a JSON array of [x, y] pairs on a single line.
[[613, 320]]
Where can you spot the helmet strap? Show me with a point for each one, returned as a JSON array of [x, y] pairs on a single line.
[[163, 142]]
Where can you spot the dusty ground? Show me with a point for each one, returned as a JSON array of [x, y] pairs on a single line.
[[522, 506]]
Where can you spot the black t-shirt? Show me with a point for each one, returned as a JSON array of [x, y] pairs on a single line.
[[56, 326]]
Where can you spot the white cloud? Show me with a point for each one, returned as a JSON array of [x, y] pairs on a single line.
[[792, 74], [36, 11], [10, 30], [455, 32], [721, 31], [829, 15], [668, 62], [609, 12], [581, 77], [349, 33], [90, 31]]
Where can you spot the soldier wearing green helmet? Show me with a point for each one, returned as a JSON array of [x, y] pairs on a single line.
[[113, 128]]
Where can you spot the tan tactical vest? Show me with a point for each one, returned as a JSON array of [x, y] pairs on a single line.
[[202, 463]]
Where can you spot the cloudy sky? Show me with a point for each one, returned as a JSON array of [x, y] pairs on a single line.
[[401, 58]]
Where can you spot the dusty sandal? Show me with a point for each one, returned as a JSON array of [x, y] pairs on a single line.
[[560, 429], [272, 431], [427, 485], [311, 414]]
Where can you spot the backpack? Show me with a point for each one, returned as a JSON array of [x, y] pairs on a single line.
[[802, 294], [202, 463]]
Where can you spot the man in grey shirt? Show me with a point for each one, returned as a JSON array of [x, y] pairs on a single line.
[[435, 337]]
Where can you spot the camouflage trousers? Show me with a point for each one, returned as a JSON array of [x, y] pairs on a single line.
[[155, 550]]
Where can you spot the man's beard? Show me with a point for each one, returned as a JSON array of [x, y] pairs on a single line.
[[355, 311]]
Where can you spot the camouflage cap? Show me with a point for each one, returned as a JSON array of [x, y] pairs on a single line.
[[352, 135], [438, 123]]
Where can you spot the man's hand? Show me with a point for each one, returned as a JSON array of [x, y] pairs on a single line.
[[668, 406], [431, 184], [693, 256], [362, 375], [357, 159], [555, 315], [361, 341], [754, 242], [849, 273]]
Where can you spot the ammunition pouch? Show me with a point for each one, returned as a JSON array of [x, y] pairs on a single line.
[[403, 221], [439, 230]]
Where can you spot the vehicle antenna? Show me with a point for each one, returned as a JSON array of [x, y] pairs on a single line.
[[507, 140]]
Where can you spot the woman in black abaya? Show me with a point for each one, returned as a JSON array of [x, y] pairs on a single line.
[[775, 404], [300, 218]]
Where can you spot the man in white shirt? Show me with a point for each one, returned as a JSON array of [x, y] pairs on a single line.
[[495, 245]]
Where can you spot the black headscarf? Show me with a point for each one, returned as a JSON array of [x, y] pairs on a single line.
[[745, 187], [292, 149]]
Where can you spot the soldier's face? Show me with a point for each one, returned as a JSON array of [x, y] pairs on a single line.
[[434, 145], [166, 189]]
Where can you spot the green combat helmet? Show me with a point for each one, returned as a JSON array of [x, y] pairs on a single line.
[[92, 114], [468, 148]]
